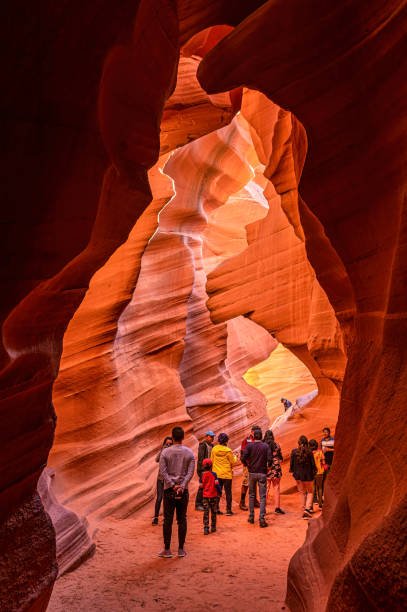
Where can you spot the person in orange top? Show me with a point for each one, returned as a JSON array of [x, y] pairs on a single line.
[[319, 477]]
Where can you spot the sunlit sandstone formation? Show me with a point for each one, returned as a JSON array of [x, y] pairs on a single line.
[[124, 382], [281, 374], [130, 379], [314, 74], [341, 74]]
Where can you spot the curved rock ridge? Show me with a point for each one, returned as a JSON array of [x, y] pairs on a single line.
[[125, 378], [75, 212], [279, 289], [73, 544], [203, 182], [93, 346], [190, 112], [98, 75], [353, 204], [89, 400]]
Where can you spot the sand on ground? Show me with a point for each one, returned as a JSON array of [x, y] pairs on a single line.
[[240, 567]]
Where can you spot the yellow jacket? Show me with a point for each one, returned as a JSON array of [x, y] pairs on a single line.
[[223, 461]]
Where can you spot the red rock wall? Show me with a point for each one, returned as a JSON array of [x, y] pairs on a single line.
[[59, 214], [142, 353], [340, 70], [341, 75]]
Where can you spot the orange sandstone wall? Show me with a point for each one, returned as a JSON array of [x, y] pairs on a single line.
[[341, 73], [91, 75], [141, 352], [66, 213]]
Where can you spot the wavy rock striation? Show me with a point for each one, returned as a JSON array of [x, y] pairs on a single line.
[[313, 74], [75, 215], [82, 111]]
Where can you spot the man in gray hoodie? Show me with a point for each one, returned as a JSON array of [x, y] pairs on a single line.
[[177, 466]]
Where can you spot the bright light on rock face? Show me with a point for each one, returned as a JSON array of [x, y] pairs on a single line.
[[287, 222]]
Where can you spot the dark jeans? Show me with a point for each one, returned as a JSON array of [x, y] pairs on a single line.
[[180, 506], [226, 483], [255, 478], [199, 495], [159, 498], [210, 503]]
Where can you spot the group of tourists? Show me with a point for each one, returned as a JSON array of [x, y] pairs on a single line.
[[261, 457], [310, 464]]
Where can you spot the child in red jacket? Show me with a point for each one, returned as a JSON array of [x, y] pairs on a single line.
[[211, 492]]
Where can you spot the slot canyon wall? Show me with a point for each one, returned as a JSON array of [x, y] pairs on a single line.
[[261, 227]]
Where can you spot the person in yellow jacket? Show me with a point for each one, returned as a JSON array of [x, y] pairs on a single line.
[[223, 461]]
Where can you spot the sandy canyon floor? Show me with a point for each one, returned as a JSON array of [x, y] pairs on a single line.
[[240, 567]]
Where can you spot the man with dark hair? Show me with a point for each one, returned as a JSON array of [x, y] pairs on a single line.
[[245, 480], [177, 465], [204, 452], [328, 448], [257, 456]]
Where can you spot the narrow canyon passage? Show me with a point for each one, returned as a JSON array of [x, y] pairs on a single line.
[[239, 567], [204, 211]]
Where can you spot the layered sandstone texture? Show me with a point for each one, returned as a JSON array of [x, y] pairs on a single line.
[[141, 352], [341, 75], [252, 229]]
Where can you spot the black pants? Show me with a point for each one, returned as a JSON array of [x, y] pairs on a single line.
[[210, 504], [180, 506], [226, 483], [159, 498]]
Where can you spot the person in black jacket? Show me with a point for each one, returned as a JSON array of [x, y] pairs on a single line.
[[257, 457], [204, 452], [303, 468]]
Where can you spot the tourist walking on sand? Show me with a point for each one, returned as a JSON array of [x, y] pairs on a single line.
[[223, 460], [319, 476], [245, 480], [210, 493], [177, 465], [204, 452], [160, 481], [257, 457], [303, 468], [274, 472]]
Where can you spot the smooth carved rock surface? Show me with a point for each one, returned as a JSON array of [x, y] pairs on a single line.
[[73, 544], [76, 212], [342, 76], [313, 74], [278, 289], [124, 382]]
